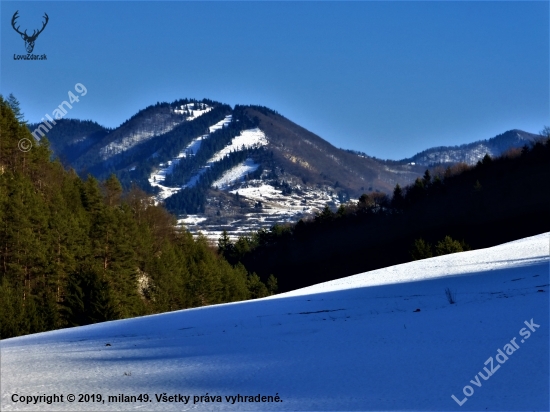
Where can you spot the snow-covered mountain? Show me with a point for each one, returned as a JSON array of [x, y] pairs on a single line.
[[243, 168], [219, 167], [471, 153], [383, 340]]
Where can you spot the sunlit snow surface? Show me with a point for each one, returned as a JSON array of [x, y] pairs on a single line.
[[236, 174], [246, 139], [191, 220], [382, 340]]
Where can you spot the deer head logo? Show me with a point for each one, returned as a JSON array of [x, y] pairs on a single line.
[[29, 40]]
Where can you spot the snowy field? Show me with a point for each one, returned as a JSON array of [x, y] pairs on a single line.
[[277, 208], [382, 340]]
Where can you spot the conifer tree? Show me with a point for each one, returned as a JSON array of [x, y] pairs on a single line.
[[12, 311], [113, 191], [421, 250], [427, 178], [449, 245], [398, 201], [15, 106], [169, 279], [234, 282], [225, 246], [88, 300], [272, 286], [256, 287]]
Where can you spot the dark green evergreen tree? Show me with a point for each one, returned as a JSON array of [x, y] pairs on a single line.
[[398, 200], [449, 245], [225, 246], [89, 300], [271, 284], [421, 250], [15, 106], [427, 179], [256, 287]]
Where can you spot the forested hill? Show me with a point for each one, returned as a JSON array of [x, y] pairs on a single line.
[[71, 138], [496, 201], [74, 252]]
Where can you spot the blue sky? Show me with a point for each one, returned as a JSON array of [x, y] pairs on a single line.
[[386, 78]]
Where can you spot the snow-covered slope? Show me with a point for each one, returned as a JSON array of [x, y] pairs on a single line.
[[247, 139], [159, 175], [381, 340], [236, 174]]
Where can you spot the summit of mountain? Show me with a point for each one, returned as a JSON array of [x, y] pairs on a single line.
[[306, 155]]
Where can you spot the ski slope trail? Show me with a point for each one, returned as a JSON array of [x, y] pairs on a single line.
[[382, 340], [245, 140], [158, 176]]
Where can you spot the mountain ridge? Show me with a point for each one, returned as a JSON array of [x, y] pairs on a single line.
[[471, 153], [187, 154], [82, 130]]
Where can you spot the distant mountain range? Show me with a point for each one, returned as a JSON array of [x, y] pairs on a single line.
[[471, 153], [241, 168]]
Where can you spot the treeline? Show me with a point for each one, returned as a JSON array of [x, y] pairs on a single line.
[[496, 201], [75, 252]]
